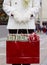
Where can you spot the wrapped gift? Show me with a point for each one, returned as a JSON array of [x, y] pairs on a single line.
[[23, 50]]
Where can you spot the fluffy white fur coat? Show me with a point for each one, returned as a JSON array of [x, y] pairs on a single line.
[[22, 17]]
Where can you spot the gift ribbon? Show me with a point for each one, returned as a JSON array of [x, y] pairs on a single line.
[[28, 37]]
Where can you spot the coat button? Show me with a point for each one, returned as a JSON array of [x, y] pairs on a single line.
[[15, 2], [11, 14], [32, 15]]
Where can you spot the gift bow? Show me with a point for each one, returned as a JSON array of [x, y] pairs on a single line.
[[33, 37]]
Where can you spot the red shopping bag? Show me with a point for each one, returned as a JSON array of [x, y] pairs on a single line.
[[23, 52]]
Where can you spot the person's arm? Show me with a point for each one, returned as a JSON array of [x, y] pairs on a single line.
[[36, 7], [7, 7]]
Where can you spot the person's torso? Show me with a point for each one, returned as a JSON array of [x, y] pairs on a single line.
[[12, 24]]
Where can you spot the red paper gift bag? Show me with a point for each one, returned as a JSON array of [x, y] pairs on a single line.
[[22, 52]]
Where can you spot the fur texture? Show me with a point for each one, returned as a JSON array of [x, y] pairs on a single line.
[[22, 17]]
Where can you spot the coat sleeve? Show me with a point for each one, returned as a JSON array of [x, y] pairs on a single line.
[[35, 7], [7, 7]]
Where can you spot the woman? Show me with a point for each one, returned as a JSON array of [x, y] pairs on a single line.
[[22, 14]]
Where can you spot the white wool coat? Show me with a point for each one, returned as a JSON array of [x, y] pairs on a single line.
[[13, 6]]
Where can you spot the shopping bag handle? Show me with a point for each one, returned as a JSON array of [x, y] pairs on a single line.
[[18, 29]]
